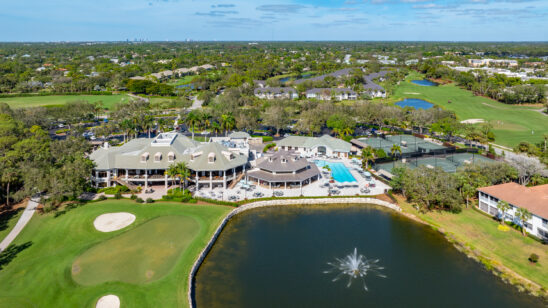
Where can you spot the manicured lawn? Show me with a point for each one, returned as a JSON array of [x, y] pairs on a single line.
[[185, 80], [162, 243], [8, 221], [509, 248], [511, 124], [20, 102]]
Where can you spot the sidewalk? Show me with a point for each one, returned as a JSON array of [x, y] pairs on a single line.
[[21, 223]]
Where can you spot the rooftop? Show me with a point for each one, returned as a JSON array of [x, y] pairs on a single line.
[[534, 199]]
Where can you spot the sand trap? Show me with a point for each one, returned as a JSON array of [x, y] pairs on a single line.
[[414, 93], [108, 301], [113, 221], [472, 121]]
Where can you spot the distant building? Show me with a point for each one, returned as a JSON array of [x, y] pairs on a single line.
[[534, 199], [339, 94], [276, 92], [487, 62]]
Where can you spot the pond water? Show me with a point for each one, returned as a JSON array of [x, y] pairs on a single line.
[[190, 86], [424, 82], [276, 257], [415, 103]]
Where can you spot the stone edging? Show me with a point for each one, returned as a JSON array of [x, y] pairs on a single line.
[[267, 203]]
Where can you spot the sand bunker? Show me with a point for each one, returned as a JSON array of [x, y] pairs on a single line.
[[113, 221], [414, 93], [108, 301], [472, 121]]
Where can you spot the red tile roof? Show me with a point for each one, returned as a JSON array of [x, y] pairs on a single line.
[[534, 199]]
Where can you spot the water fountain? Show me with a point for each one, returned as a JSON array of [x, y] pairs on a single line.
[[355, 267]]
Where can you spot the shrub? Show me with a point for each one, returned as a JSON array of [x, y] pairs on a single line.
[[133, 197], [268, 147], [102, 197], [139, 200], [177, 194], [533, 258], [149, 200], [118, 195], [115, 189]]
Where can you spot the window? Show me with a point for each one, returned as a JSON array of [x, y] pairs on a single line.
[[528, 225], [171, 157], [157, 157], [545, 223], [144, 157], [211, 158]]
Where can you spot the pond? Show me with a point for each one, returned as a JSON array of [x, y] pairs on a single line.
[[424, 82], [303, 76], [276, 257], [415, 103]]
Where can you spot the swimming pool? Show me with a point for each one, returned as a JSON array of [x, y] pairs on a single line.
[[338, 170]]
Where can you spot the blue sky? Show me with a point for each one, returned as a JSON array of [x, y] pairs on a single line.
[[447, 20]]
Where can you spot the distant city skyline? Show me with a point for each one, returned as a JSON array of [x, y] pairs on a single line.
[[271, 20]]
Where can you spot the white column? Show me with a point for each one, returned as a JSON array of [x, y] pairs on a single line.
[[127, 171], [146, 180], [224, 179], [197, 179], [108, 178], [165, 177], [210, 179]]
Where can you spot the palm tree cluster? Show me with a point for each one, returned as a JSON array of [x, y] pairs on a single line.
[[203, 120], [180, 172]]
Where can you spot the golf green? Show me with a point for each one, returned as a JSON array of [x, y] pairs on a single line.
[[165, 238], [144, 254]]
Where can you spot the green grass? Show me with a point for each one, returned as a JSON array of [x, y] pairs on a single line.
[[40, 275], [185, 80], [8, 221], [511, 123], [56, 100], [481, 233]]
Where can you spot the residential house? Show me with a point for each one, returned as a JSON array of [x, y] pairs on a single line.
[[276, 93], [339, 94], [534, 199]]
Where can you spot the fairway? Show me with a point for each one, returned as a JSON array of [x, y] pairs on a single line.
[[55, 100], [144, 254], [511, 123], [40, 275]]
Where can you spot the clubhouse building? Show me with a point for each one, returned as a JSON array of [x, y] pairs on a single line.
[[144, 162], [283, 169], [324, 146], [534, 199]]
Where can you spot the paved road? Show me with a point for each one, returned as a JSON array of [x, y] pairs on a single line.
[[196, 103], [23, 220]]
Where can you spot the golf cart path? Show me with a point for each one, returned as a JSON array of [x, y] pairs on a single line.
[[21, 223]]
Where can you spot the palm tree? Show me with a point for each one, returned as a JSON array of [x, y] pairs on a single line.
[[368, 155], [503, 207], [191, 119], [395, 148], [183, 173], [216, 128], [227, 122], [338, 131], [147, 123], [523, 215], [172, 172], [162, 125], [347, 131], [206, 119]]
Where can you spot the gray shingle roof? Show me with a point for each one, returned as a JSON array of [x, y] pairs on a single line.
[[312, 142], [331, 90], [282, 161], [129, 155], [274, 90], [336, 74]]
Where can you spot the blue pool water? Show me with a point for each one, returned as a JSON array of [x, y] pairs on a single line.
[[424, 82], [415, 103], [338, 170]]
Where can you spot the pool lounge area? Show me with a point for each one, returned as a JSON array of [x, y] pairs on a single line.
[[339, 171]]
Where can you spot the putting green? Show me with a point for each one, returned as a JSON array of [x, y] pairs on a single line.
[[141, 255]]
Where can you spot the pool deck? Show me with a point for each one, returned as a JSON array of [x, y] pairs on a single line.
[[314, 189]]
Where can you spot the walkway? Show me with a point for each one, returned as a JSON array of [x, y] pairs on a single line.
[[23, 220], [196, 103]]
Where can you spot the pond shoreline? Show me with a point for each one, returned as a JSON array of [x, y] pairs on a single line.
[[259, 204], [506, 274]]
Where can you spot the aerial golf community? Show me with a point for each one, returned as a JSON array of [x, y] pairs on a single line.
[[186, 181]]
